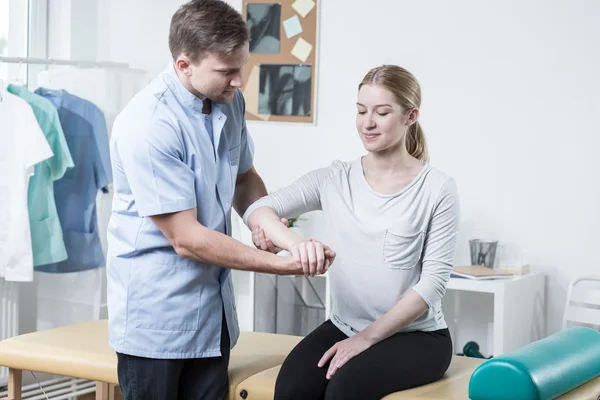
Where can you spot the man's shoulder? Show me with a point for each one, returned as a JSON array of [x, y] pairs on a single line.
[[151, 106], [149, 100]]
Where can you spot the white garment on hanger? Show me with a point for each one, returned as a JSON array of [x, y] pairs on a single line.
[[85, 298], [22, 146]]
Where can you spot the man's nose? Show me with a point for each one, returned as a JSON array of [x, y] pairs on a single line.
[[238, 81]]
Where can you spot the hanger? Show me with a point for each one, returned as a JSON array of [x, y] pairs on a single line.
[[1, 85], [17, 80], [52, 67]]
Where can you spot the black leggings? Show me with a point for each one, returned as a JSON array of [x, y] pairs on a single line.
[[400, 362]]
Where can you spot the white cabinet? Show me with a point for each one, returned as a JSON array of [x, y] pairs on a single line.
[[514, 309]]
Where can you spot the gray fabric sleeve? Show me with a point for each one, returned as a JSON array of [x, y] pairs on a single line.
[[440, 243], [302, 196]]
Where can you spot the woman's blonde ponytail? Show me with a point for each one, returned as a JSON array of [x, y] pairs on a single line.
[[416, 144]]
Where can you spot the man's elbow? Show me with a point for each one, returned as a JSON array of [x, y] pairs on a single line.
[[182, 230], [183, 247], [183, 251]]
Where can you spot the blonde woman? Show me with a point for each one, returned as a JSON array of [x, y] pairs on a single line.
[[393, 221]]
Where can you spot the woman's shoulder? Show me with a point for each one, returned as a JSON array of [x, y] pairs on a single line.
[[341, 165], [332, 172], [337, 167], [439, 182]]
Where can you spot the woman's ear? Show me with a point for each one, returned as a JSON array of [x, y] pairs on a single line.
[[413, 116]]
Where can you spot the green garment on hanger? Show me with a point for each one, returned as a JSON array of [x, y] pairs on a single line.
[[46, 232]]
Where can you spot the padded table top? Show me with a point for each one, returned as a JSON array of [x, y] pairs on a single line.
[[453, 386], [82, 351], [78, 351], [589, 391]]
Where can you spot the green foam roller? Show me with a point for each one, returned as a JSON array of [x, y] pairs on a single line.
[[543, 370]]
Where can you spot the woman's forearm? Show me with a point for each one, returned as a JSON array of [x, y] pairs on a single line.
[[407, 310], [269, 221]]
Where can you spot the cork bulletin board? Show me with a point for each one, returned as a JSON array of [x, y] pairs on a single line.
[[280, 74]]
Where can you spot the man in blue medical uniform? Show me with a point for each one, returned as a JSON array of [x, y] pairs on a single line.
[[182, 159]]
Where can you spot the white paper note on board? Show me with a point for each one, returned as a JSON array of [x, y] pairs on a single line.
[[302, 49], [292, 26], [303, 7]]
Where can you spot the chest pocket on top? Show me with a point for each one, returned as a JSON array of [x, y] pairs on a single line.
[[403, 250]]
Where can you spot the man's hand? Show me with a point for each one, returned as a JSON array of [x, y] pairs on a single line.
[[192, 240], [314, 256], [262, 242]]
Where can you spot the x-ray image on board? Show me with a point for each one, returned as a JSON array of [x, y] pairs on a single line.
[[264, 21], [284, 89]]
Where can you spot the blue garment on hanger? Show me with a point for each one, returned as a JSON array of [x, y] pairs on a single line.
[[84, 126]]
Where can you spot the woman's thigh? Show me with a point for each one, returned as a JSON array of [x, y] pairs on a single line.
[[400, 362], [300, 377]]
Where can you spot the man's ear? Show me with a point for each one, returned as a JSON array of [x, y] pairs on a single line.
[[183, 63]]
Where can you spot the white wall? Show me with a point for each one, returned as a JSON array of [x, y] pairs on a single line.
[[511, 109]]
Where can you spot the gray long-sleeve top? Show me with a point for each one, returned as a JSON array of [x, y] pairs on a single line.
[[386, 244]]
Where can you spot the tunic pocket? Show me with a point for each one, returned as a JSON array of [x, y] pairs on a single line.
[[164, 296], [402, 250]]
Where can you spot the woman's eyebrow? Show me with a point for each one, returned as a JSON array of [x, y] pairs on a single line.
[[378, 105]]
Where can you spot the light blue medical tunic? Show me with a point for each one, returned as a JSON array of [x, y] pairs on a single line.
[[161, 305], [75, 194]]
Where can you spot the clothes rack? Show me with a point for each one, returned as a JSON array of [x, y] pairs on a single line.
[[52, 61]]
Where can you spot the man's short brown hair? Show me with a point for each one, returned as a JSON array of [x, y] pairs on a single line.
[[206, 26]]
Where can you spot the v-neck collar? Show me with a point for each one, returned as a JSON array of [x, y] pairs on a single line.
[[185, 96]]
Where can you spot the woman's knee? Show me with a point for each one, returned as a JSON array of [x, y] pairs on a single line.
[[297, 380], [353, 383], [294, 388], [343, 389], [286, 389]]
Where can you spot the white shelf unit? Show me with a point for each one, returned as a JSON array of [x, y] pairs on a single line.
[[518, 310]]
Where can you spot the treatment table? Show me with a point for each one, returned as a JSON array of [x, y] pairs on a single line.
[[453, 386], [82, 351], [564, 366]]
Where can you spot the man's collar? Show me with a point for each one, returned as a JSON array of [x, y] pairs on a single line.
[[184, 95]]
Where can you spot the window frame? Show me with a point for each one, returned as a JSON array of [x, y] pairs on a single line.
[[27, 34], [37, 46]]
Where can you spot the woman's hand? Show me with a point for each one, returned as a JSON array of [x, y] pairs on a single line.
[[342, 352], [314, 256]]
